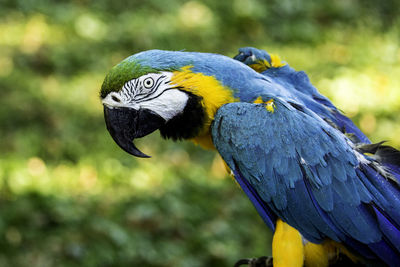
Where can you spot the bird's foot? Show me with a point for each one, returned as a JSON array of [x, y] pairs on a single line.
[[255, 262]]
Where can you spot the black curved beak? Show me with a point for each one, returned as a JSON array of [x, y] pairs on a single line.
[[126, 124]]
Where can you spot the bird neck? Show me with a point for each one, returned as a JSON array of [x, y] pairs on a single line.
[[212, 93]]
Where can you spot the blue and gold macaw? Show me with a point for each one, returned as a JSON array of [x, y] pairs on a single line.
[[315, 179]]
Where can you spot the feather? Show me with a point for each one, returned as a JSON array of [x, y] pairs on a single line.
[[389, 229], [298, 83], [335, 189], [266, 214], [386, 253]]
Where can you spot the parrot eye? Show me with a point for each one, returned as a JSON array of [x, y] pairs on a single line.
[[148, 83]]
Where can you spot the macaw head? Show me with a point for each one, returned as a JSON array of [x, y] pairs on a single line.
[[175, 92]]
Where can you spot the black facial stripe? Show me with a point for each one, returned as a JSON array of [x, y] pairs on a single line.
[[148, 99], [157, 83], [126, 89], [142, 94]]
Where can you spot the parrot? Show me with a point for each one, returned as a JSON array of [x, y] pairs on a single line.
[[329, 195]]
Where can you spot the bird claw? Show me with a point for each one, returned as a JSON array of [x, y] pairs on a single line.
[[263, 261]]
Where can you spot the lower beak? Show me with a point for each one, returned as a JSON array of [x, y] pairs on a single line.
[[126, 124]]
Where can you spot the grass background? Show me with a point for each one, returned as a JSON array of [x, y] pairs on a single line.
[[70, 197]]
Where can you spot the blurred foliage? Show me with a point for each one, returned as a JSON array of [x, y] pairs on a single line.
[[70, 197]]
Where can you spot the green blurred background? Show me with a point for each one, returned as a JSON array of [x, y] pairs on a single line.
[[70, 197]]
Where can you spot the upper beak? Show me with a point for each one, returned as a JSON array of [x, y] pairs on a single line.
[[126, 124]]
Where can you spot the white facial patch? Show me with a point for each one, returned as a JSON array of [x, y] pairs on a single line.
[[152, 91], [169, 104]]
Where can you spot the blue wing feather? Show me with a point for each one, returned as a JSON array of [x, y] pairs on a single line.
[[388, 227], [318, 182], [298, 83], [263, 210]]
